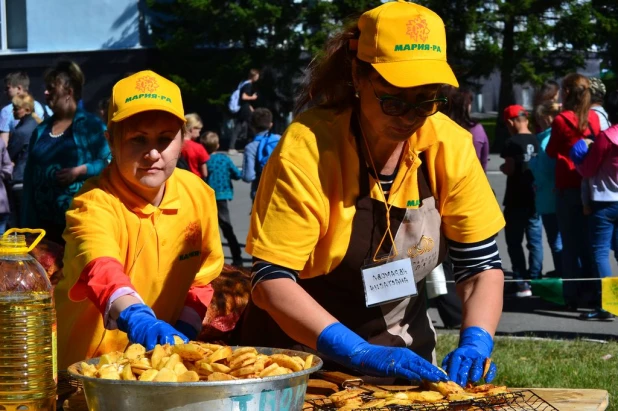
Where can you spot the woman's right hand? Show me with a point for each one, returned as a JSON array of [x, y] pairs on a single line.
[[344, 346]]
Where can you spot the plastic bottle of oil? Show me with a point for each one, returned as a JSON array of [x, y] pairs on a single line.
[[27, 328]]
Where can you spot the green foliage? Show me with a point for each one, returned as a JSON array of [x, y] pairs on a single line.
[[208, 46]]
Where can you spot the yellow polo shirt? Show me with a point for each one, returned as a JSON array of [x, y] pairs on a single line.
[[303, 210], [164, 250]]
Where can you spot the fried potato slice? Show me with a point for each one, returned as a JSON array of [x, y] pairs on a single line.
[[180, 369], [127, 373], [424, 396], [445, 388], [340, 398], [189, 352], [148, 375], [219, 376], [178, 340], [398, 401], [189, 376], [243, 360], [463, 396], [308, 362], [286, 361], [267, 372], [486, 366], [222, 353], [165, 375], [242, 372], [351, 404], [110, 374], [134, 351], [88, 370], [110, 358], [244, 350], [157, 355]]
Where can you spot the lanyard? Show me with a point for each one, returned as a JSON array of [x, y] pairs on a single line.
[[386, 205]]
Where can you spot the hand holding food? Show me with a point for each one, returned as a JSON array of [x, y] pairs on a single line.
[[467, 362], [142, 327], [344, 346]]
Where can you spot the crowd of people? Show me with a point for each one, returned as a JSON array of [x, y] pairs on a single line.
[[563, 177]]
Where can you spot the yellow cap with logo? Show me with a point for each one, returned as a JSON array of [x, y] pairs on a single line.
[[144, 91], [406, 44]]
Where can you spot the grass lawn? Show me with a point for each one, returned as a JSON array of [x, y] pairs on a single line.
[[551, 364]]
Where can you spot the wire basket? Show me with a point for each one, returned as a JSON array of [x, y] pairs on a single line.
[[513, 401]]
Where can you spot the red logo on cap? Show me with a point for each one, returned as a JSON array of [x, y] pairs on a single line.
[[146, 84], [418, 29]]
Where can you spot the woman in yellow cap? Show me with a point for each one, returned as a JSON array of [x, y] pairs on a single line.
[[142, 240], [360, 200]]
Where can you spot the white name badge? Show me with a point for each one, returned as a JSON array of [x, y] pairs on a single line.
[[389, 282]]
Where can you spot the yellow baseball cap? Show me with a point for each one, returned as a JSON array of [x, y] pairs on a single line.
[[144, 91], [406, 44]]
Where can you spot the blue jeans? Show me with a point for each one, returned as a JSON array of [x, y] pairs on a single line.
[[576, 256], [603, 225], [550, 222], [520, 221]]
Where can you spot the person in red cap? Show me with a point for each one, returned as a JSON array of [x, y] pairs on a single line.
[[519, 209], [358, 202]]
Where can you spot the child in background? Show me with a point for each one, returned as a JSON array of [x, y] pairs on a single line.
[[193, 152], [142, 241], [221, 172], [519, 200], [259, 150]]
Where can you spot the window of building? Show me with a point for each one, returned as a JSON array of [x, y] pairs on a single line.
[[13, 29]]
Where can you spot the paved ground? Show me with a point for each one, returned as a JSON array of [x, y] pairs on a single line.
[[529, 316]]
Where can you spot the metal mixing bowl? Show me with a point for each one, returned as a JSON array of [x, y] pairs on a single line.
[[284, 392]]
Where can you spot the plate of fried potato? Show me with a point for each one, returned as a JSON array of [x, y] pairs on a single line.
[[195, 376]]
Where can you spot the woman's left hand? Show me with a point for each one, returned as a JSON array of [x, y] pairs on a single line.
[[467, 362], [67, 176]]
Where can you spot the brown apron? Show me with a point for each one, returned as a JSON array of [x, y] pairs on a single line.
[[403, 323]]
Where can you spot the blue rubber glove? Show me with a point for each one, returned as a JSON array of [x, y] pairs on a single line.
[[579, 151], [187, 329], [466, 363], [142, 327], [342, 345]]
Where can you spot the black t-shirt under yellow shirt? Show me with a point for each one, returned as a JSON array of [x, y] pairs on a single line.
[[520, 185]]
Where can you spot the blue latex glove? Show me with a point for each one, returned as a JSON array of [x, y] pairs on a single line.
[[466, 363], [342, 345], [142, 327], [579, 151], [187, 329]]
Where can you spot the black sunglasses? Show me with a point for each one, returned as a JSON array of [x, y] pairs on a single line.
[[396, 107]]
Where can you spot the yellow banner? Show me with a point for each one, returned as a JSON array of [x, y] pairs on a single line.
[[609, 294]]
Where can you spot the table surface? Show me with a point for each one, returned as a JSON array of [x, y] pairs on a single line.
[[561, 399]]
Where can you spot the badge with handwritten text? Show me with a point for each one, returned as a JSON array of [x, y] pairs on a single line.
[[388, 282]]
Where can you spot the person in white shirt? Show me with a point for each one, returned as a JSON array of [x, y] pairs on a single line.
[[15, 84], [597, 96]]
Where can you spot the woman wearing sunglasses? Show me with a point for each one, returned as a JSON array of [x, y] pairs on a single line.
[[360, 200]]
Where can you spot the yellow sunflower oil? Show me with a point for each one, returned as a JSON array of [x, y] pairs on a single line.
[[27, 329]]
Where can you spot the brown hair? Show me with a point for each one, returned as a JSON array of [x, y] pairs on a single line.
[[252, 73], [577, 97], [329, 82], [261, 119], [26, 101], [457, 107], [547, 92], [69, 75], [17, 78], [210, 141]]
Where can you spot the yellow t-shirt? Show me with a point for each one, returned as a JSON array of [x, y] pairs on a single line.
[[164, 250], [303, 211]]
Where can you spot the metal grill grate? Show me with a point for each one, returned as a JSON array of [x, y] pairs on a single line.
[[515, 401]]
